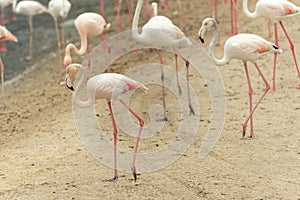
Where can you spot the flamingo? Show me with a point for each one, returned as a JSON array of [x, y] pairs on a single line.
[[59, 8], [245, 47], [29, 8], [5, 35], [161, 31], [275, 10], [87, 24], [3, 5], [106, 86]]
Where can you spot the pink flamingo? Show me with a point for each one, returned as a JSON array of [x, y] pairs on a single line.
[[161, 31], [106, 86], [29, 8], [4, 4], [276, 10], [59, 8], [87, 24], [245, 47], [5, 35]]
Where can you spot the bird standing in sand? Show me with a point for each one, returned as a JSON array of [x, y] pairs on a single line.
[[4, 35], [106, 86], [275, 10], [87, 24], [161, 31], [245, 47], [59, 8], [29, 8]]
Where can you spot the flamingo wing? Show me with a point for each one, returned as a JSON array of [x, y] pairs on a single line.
[[277, 8]]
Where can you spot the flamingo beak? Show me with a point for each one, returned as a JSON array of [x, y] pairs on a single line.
[[68, 82], [10, 37], [201, 39]]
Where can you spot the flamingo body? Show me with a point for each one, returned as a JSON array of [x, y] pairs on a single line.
[[28, 7], [59, 8]]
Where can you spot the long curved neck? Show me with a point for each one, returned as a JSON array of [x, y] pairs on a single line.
[[14, 5], [136, 17], [212, 43], [246, 11], [71, 46], [78, 101]]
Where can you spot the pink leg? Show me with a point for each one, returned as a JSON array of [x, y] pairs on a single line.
[[138, 138], [177, 78], [180, 13], [102, 8], [2, 82], [130, 12], [275, 58], [62, 34], [292, 49], [58, 41], [233, 17], [118, 7], [258, 102], [187, 64], [115, 143], [163, 86], [31, 32], [250, 97], [214, 9]]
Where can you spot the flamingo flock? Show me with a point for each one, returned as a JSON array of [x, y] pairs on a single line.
[[159, 30]]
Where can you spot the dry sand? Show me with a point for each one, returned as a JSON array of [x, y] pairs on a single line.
[[42, 156]]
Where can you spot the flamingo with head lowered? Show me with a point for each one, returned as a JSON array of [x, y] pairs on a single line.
[[106, 86], [245, 47]]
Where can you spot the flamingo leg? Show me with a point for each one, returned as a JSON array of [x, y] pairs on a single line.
[[163, 86], [233, 17], [62, 33], [269, 29], [102, 8], [31, 32], [58, 41], [180, 13], [258, 102], [2, 82], [138, 137], [273, 88], [118, 7], [187, 65], [214, 9], [177, 78], [250, 97], [115, 143], [129, 12], [292, 49]]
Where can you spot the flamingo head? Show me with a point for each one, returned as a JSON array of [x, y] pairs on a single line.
[[71, 71], [207, 23], [6, 35]]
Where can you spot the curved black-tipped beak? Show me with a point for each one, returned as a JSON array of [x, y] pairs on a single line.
[[70, 87], [201, 39]]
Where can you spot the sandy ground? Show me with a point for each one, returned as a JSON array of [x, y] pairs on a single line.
[[42, 156]]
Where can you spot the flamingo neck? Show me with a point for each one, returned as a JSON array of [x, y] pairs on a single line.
[[247, 12], [71, 46], [78, 101], [136, 17], [14, 4], [212, 43]]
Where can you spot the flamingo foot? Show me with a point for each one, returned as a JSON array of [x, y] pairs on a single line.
[[192, 112], [134, 173], [251, 137], [113, 179]]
